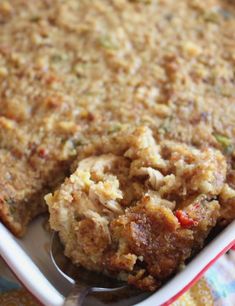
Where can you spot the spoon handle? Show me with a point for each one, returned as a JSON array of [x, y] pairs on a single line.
[[77, 295]]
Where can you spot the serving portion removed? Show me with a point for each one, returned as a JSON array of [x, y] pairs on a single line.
[[137, 209]]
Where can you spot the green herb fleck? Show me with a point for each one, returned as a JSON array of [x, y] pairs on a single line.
[[115, 128], [227, 91], [11, 205], [35, 19], [142, 1], [79, 142], [211, 16], [56, 58], [165, 127], [107, 43], [10, 202], [225, 142]]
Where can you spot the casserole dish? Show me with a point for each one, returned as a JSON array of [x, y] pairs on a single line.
[[29, 260]]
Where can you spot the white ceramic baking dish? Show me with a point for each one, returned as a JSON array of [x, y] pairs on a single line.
[[29, 260]]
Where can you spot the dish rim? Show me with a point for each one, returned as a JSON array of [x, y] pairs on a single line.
[[177, 285]]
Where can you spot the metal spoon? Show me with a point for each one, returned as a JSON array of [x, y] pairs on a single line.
[[84, 281]]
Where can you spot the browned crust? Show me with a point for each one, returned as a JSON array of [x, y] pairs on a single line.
[[7, 218], [18, 225], [157, 92]]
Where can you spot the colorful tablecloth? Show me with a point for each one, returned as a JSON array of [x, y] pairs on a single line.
[[216, 288]]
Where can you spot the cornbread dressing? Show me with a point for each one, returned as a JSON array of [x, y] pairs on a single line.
[[136, 99], [138, 209]]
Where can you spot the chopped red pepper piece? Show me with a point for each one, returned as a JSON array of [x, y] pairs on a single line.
[[42, 153], [184, 220]]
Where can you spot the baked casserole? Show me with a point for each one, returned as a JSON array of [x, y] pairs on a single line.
[[130, 105]]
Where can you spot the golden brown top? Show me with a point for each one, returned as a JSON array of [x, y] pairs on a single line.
[[71, 71]]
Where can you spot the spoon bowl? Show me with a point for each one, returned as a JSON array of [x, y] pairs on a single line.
[[84, 281]]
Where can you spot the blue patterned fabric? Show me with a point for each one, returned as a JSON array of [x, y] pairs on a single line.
[[6, 285], [221, 278]]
